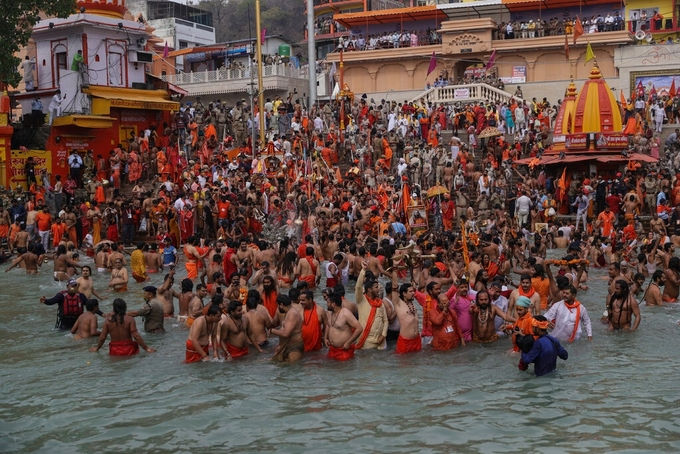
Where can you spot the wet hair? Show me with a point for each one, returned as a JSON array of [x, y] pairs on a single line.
[[480, 293], [91, 304], [525, 277], [284, 300], [571, 289], [200, 286], [233, 305], [540, 270], [430, 286], [334, 298], [119, 310], [252, 302], [252, 293], [562, 282], [368, 284], [657, 275], [339, 289], [217, 299], [308, 294], [293, 294], [213, 309], [187, 285], [674, 263], [309, 251], [525, 342]]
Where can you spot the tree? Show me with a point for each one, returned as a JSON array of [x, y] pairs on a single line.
[[16, 25]]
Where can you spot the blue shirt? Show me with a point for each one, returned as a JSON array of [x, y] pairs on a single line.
[[169, 255], [399, 228], [544, 354]]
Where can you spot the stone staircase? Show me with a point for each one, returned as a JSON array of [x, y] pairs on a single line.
[[478, 92]]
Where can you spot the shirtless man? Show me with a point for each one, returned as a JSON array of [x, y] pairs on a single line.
[[232, 332], [246, 256], [653, 295], [342, 330], [115, 255], [152, 259], [290, 346], [672, 279], [21, 240], [122, 330], [61, 264], [525, 289], [195, 307], [308, 269], [403, 298], [203, 332], [101, 260], [259, 322], [29, 260], [622, 307], [166, 294], [86, 283], [119, 277], [265, 270], [185, 297], [86, 325], [484, 318], [373, 263]]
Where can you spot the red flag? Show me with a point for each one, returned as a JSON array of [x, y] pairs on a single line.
[[578, 29], [640, 90], [653, 91], [492, 60], [672, 92], [624, 103], [263, 34], [433, 64], [566, 46], [166, 51]]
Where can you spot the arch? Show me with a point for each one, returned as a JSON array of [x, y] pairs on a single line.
[[393, 76], [605, 61], [420, 77], [551, 66], [358, 79]]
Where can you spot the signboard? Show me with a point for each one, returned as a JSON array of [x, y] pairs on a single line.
[[606, 140], [15, 172], [461, 93], [576, 141], [519, 75]]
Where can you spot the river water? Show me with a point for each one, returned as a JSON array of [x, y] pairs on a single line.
[[619, 392]]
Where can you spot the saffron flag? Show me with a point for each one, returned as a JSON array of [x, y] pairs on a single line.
[[578, 29], [433, 64], [492, 60], [624, 103], [566, 46], [589, 53], [652, 91], [640, 90], [263, 33], [166, 51], [672, 92]]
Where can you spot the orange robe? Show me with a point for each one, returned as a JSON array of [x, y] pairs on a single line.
[[311, 330]]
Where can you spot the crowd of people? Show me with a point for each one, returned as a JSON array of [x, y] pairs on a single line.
[[389, 40], [444, 243], [555, 26]]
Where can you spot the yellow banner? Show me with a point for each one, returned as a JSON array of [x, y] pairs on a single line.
[[16, 172]]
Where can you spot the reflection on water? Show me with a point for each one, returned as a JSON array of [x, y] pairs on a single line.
[[618, 392]]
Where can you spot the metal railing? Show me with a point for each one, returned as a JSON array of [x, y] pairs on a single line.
[[225, 74], [465, 93]]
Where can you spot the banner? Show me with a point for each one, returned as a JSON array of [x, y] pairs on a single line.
[[576, 141], [461, 93], [16, 169], [606, 140]]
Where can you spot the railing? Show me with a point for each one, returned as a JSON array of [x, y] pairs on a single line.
[[663, 25], [465, 93], [224, 74]]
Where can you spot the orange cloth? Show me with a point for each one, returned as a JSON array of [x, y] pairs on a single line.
[[4, 231], [375, 304], [191, 355], [58, 230], [525, 326], [236, 352], [123, 348], [269, 302], [311, 330], [43, 221], [542, 287], [340, 354], [607, 223], [408, 345]]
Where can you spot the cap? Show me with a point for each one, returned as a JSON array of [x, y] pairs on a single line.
[[150, 289], [539, 324], [523, 301], [71, 283]]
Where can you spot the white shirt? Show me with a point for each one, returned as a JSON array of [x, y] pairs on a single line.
[[523, 205], [501, 303], [564, 320], [318, 124]]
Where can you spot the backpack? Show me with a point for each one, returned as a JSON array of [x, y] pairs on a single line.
[[73, 305]]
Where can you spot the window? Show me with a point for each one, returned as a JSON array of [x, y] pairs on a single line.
[[115, 68]]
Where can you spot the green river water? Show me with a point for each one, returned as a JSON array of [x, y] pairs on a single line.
[[618, 393]]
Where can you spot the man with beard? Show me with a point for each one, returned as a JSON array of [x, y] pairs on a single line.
[[232, 332], [202, 333], [403, 298], [342, 330], [428, 301], [259, 321], [621, 308], [372, 314], [672, 281], [291, 346], [269, 293], [314, 324], [568, 317], [653, 295], [525, 289], [483, 313]]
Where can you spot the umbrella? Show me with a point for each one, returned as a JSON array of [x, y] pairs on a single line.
[[490, 132], [437, 190]]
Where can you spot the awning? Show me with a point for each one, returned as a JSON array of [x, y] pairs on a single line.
[[476, 9], [525, 5], [599, 157], [84, 121], [631, 157], [132, 98], [383, 16]]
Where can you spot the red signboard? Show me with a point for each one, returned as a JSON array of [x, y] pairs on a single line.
[[607, 140], [576, 141]]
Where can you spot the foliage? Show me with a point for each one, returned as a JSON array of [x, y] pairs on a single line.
[[286, 18], [16, 24]]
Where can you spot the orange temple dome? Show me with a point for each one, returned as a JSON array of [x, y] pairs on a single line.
[[596, 109], [109, 8], [564, 123]]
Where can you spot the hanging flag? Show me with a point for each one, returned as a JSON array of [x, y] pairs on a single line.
[[166, 51], [578, 29], [653, 91], [263, 33], [672, 92], [566, 46], [624, 103], [492, 60], [433, 64], [589, 53], [640, 90]]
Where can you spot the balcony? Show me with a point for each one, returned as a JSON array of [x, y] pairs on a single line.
[[223, 80], [329, 6], [663, 25]]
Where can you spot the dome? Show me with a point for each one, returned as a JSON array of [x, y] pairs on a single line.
[[564, 122], [109, 8], [596, 109]]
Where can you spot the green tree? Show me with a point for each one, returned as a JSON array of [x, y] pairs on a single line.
[[16, 24]]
